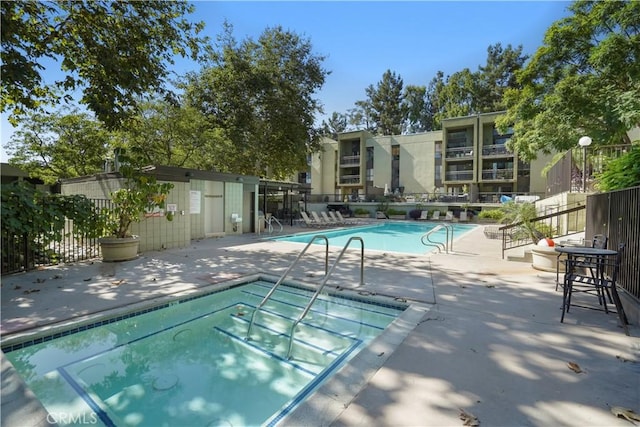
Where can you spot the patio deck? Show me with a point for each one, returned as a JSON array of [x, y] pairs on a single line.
[[490, 343]]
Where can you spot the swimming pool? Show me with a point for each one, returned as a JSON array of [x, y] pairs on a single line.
[[187, 362], [401, 237]]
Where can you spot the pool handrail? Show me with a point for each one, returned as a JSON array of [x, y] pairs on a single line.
[[448, 241], [273, 289], [323, 283]]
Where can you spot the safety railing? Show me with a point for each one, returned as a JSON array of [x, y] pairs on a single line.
[[323, 283], [447, 245], [284, 275]]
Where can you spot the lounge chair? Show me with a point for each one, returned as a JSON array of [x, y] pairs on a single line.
[[346, 220], [463, 216], [308, 221], [318, 220], [424, 215], [435, 215], [326, 218], [336, 219], [449, 216]]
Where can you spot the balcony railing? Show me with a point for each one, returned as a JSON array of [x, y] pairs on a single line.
[[350, 179], [495, 150], [350, 160], [459, 176], [489, 174], [459, 152]]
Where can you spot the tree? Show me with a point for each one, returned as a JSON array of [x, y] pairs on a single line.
[[336, 124], [386, 101], [259, 97], [165, 133], [623, 172], [111, 51], [360, 117], [584, 80], [56, 146], [496, 76], [415, 100]]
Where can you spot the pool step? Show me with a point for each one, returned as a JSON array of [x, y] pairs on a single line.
[[271, 334]]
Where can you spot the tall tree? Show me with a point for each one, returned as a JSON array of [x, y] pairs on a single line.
[[164, 133], [259, 96], [56, 146], [496, 76], [360, 117], [416, 107], [334, 125], [584, 80], [386, 101], [111, 51]]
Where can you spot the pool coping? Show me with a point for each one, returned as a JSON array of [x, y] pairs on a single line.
[[332, 395]]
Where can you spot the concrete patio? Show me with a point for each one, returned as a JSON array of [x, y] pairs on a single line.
[[489, 341]]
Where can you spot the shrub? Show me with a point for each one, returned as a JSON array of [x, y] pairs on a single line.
[[392, 211], [361, 211], [496, 214]]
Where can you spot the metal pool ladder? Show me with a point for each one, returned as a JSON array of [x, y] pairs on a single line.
[[273, 289], [448, 241], [324, 282]]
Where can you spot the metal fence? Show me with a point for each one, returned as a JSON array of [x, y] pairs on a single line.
[[616, 215], [28, 252]]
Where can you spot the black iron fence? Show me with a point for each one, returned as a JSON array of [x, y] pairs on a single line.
[[616, 215], [28, 252]]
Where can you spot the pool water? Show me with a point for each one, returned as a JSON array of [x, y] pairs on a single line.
[[401, 237], [188, 363]]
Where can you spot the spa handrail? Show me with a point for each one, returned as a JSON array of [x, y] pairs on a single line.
[[324, 282], [273, 289]]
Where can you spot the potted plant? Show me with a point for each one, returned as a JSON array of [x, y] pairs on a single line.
[[140, 194]]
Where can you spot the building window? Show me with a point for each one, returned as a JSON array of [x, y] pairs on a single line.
[[370, 164], [395, 167], [437, 172]]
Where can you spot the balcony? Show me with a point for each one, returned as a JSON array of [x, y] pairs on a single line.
[[348, 161], [459, 152], [496, 150], [349, 179], [497, 174], [459, 175]]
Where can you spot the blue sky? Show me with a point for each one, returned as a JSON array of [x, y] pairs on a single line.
[[362, 39]]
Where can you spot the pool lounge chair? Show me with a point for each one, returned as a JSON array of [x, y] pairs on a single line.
[[308, 221], [449, 216], [424, 215], [463, 216], [335, 219], [435, 216], [346, 220], [326, 218], [318, 220]]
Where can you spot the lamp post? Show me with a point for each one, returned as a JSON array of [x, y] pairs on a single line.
[[584, 142]]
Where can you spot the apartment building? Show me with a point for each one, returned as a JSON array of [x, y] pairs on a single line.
[[467, 157]]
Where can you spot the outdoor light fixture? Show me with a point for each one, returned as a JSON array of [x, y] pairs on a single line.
[[584, 142]]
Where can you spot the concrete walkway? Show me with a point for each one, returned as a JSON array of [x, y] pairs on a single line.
[[489, 343]]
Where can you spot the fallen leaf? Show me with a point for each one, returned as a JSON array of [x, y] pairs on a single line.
[[625, 413], [468, 419], [118, 282], [17, 287], [86, 280], [57, 276], [40, 280], [574, 367], [30, 291], [490, 286]]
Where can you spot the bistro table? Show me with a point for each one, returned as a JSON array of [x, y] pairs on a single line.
[[586, 268]]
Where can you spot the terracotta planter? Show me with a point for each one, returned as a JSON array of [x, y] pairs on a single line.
[[119, 249], [545, 258]]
